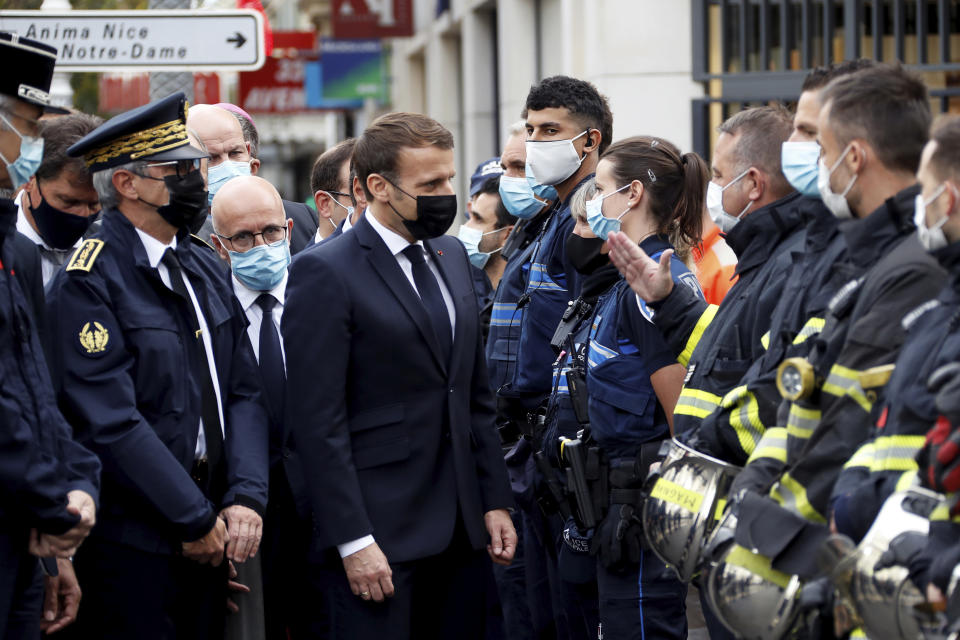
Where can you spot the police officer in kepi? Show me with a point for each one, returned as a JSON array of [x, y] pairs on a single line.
[[154, 371], [49, 483]]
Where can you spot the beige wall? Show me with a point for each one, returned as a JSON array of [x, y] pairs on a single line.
[[637, 52]]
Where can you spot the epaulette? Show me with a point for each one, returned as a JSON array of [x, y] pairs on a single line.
[[85, 255], [198, 240]]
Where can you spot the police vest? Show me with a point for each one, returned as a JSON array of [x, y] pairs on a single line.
[[505, 319], [546, 298], [624, 410]]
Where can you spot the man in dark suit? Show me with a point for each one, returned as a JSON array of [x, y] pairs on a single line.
[[154, 372], [232, 155], [389, 402], [251, 236]]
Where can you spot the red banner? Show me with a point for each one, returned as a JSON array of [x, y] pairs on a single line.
[[370, 19], [277, 87]]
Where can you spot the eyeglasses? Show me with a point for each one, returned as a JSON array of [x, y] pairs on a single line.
[[183, 167], [245, 240], [339, 194]]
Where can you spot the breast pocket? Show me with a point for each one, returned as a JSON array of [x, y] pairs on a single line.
[[379, 437], [160, 367]]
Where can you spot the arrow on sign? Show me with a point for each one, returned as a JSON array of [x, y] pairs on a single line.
[[238, 38]]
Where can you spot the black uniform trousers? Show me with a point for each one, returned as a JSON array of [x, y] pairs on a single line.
[[21, 588], [436, 598], [192, 596]]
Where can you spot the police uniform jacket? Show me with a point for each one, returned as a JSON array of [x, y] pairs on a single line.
[[749, 410], [886, 462], [863, 335], [39, 460], [120, 366], [718, 344]]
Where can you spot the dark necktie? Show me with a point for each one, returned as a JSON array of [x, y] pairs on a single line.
[[271, 358], [432, 299], [55, 256], [198, 361]]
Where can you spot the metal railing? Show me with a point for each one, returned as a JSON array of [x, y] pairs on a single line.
[[750, 52]]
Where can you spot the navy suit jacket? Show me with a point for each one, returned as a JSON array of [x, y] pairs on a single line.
[[304, 224], [393, 441]]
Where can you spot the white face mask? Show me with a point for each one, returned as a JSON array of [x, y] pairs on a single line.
[[721, 218], [553, 161], [342, 206], [836, 202], [932, 238]]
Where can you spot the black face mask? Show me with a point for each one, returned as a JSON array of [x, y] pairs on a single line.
[[187, 208], [435, 214], [59, 229], [584, 254]]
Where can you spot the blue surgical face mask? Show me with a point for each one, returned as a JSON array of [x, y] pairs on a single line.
[[27, 163], [219, 175], [262, 267], [470, 238], [542, 191], [799, 162], [599, 223], [518, 197]]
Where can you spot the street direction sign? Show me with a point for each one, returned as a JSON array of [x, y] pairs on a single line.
[[155, 40]]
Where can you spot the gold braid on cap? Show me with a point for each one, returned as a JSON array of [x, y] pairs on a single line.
[[142, 143]]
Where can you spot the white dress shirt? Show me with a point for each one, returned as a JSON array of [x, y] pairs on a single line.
[[47, 265], [155, 250], [396, 244], [248, 300]]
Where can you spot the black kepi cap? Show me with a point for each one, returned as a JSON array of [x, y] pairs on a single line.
[[154, 132], [28, 70]]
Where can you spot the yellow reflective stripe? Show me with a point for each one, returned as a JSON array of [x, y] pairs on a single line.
[[907, 480], [812, 327], [801, 421], [745, 421], [765, 340], [792, 495], [896, 453], [756, 564], [941, 513], [773, 445], [696, 403], [673, 493], [862, 458], [721, 505], [702, 323], [844, 381]]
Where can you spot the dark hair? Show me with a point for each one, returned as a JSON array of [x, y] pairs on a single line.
[[579, 97], [821, 76], [491, 187], [325, 175], [58, 135], [763, 130], [250, 134], [380, 144], [945, 161], [676, 184], [885, 105]]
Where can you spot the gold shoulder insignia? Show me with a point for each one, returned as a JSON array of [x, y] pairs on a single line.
[[94, 339], [197, 239], [85, 255]]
